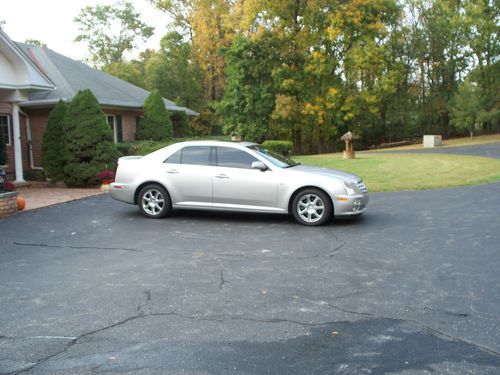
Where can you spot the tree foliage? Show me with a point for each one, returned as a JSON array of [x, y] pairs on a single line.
[[156, 124], [88, 145], [53, 143], [96, 25], [308, 71]]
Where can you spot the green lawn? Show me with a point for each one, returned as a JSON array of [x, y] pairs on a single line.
[[393, 172]]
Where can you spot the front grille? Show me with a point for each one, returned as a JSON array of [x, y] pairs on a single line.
[[362, 187]]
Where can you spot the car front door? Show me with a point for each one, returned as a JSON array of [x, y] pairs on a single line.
[[189, 174], [237, 186]]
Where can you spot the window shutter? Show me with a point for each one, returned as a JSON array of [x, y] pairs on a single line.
[[119, 129]]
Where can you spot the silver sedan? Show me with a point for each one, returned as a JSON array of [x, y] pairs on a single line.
[[232, 176]]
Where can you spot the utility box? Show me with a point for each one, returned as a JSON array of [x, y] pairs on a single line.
[[432, 141]]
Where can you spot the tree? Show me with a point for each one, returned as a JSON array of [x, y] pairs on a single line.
[[95, 25], [130, 71], [88, 145], [172, 71], [180, 122], [466, 107], [53, 144], [156, 124]]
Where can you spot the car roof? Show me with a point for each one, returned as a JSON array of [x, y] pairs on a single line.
[[215, 143]]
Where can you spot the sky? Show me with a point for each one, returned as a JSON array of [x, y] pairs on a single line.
[[51, 22]]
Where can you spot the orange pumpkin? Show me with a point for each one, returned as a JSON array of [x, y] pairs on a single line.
[[21, 203]]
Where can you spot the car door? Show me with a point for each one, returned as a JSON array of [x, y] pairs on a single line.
[[189, 173], [237, 186]]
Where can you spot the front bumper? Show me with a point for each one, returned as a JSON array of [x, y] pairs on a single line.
[[350, 205]]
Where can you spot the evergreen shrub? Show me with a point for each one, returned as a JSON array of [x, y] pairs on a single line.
[[156, 124], [88, 141], [52, 144]]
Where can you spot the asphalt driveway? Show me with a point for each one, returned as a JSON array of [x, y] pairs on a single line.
[[410, 288]]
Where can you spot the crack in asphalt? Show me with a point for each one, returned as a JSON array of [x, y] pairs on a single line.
[[222, 281], [16, 243], [75, 340]]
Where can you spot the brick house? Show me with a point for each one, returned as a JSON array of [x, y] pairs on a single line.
[[33, 79]]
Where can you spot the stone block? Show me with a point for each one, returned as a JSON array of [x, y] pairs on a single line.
[[432, 141]]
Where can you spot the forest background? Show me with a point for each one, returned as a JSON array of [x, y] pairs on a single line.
[[310, 70]]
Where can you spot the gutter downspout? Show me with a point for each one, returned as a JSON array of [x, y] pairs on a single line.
[[28, 139]]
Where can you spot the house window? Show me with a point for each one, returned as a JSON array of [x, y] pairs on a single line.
[[5, 129], [115, 122]]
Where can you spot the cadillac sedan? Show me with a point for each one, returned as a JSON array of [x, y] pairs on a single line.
[[232, 176]]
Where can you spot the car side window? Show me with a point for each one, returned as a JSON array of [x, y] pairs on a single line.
[[175, 158], [195, 155], [234, 158]]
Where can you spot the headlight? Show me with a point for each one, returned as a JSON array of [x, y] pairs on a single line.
[[350, 187]]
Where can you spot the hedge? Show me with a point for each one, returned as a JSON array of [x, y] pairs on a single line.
[[281, 147]]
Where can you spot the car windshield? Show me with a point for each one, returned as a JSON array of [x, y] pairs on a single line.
[[275, 158]]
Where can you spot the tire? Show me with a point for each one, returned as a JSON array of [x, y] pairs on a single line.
[[312, 207], [154, 201]]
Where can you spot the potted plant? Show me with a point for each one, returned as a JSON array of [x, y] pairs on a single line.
[[106, 176]]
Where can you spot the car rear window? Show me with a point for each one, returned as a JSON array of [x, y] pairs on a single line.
[[195, 155]]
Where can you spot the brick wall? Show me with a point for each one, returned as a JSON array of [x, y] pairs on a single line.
[[128, 122], [8, 203], [38, 123]]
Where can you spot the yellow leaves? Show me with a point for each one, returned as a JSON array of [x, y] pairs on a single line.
[[286, 107]]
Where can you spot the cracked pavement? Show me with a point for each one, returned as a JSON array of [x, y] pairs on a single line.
[[92, 287]]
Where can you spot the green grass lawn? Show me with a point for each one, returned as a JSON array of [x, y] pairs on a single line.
[[393, 172]]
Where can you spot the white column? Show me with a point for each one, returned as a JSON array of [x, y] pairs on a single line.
[[18, 154]]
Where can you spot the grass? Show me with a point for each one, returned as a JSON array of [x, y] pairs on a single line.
[[394, 172], [453, 142]]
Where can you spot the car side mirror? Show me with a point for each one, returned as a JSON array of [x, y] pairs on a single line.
[[259, 165]]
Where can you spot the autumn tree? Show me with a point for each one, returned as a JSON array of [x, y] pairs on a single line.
[[96, 25]]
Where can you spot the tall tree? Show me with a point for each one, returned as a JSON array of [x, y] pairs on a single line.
[[96, 25], [172, 71]]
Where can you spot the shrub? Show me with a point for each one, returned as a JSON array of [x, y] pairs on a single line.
[[281, 147], [52, 158], [9, 186], [124, 148], [88, 141], [156, 124], [180, 123]]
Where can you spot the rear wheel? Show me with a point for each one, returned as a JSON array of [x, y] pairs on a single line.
[[311, 207], [154, 201]]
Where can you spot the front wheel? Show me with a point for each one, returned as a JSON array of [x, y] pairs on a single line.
[[311, 207], [154, 201]]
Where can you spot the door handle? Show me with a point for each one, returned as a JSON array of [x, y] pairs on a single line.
[[221, 176], [172, 171]]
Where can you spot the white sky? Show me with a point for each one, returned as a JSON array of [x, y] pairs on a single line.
[[51, 22]]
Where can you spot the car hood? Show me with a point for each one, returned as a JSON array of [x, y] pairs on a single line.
[[326, 172]]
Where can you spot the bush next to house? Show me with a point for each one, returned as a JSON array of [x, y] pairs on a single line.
[[52, 158], [281, 147], [156, 124], [88, 145]]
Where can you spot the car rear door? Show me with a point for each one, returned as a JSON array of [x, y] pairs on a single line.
[[237, 186], [189, 173]]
